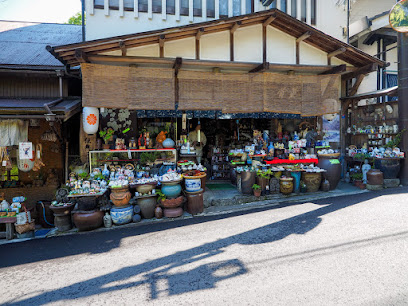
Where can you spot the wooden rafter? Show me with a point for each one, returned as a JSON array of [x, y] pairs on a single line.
[[336, 70], [363, 70], [262, 67], [303, 37], [335, 53], [356, 85], [81, 56], [161, 45], [122, 47], [235, 27], [269, 20]]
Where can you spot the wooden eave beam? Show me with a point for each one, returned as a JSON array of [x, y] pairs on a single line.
[[80, 56], [356, 85], [363, 70], [199, 33], [235, 27], [303, 37], [161, 45], [269, 20], [336, 70], [177, 64], [336, 52], [261, 68]]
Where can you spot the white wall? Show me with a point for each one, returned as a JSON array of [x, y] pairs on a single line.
[[309, 55], [180, 48], [248, 44], [281, 47], [331, 18], [215, 46], [369, 8]]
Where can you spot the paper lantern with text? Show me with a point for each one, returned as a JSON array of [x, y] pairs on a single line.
[[90, 120]]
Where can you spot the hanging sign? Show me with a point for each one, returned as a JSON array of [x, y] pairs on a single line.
[[25, 150], [399, 17]]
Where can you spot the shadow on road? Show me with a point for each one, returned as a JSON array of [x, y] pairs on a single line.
[[155, 271]]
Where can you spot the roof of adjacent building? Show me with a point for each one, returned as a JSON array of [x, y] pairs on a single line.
[[22, 44]]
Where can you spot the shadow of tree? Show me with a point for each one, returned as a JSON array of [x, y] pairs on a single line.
[[202, 277]]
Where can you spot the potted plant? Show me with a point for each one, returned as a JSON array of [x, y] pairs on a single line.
[[263, 178], [257, 190], [106, 135], [358, 180]]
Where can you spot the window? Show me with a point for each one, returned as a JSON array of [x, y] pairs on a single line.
[[293, 13], [10, 175], [303, 10], [313, 12], [283, 6]]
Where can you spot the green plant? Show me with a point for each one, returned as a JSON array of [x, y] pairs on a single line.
[[396, 141], [264, 174], [356, 176], [161, 195], [83, 175], [256, 187], [146, 157], [106, 135]]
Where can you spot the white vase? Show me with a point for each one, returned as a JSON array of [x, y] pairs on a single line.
[[168, 143]]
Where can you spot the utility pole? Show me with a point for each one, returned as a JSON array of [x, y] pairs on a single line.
[[348, 21]]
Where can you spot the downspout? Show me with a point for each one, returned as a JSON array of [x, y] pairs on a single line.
[[83, 19]]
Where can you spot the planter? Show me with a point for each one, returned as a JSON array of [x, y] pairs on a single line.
[[312, 180], [195, 202], [274, 185], [390, 167], [257, 192], [359, 184], [247, 181], [375, 177], [171, 191], [120, 196], [144, 188], [333, 169], [147, 205], [121, 215], [173, 212], [106, 146], [286, 185], [62, 210], [172, 203], [88, 220]]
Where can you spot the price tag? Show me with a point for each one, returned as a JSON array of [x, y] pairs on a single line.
[[4, 163], [334, 161]]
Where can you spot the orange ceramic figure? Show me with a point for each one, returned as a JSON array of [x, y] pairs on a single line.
[[160, 138]]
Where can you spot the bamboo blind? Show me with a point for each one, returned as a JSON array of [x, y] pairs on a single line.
[[128, 87]]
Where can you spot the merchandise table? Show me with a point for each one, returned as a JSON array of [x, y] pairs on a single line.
[[295, 161]]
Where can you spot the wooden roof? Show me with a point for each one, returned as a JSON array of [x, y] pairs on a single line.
[[280, 21]]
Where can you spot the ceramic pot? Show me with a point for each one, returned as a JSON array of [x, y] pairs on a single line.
[[375, 177], [107, 220], [195, 202], [168, 143], [173, 212], [274, 185], [145, 188], [171, 191], [88, 220], [325, 185], [121, 215], [312, 180], [257, 193], [172, 203], [286, 185], [333, 168], [120, 196], [390, 167], [296, 180], [158, 212], [247, 181], [147, 206], [62, 210], [192, 185]]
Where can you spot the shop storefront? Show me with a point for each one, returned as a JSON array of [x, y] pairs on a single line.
[[206, 109]]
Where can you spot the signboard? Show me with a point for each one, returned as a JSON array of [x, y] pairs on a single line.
[[25, 150], [399, 17]]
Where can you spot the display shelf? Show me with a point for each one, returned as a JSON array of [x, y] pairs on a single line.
[[295, 161]]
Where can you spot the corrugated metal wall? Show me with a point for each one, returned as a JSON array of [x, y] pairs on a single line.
[[31, 87]]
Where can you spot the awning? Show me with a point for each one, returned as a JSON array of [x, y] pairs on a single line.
[[34, 108], [392, 91]]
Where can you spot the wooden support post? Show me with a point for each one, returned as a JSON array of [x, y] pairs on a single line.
[[176, 66], [356, 85], [161, 45], [334, 53], [197, 44], [363, 70], [298, 41], [122, 47], [232, 31]]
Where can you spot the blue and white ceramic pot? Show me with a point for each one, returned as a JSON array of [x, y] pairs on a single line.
[[192, 185], [121, 215]]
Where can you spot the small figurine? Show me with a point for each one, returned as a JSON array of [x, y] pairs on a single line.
[[132, 143], [142, 141], [365, 168], [160, 138], [148, 142]]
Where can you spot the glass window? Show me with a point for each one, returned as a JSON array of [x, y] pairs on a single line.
[[184, 7], [170, 6], [223, 8], [313, 12], [283, 5], [197, 7], [211, 8], [303, 10], [273, 5], [294, 8], [249, 6], [236, 7]]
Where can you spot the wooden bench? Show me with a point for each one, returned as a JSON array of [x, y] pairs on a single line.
[[9, 221]]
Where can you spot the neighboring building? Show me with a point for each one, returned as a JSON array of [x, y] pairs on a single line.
[[40, 96], [370, 31], [106, 18]]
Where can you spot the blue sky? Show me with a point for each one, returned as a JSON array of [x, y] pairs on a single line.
[[54, 11]]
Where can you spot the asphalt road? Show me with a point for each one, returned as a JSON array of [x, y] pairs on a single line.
[[341, 251]]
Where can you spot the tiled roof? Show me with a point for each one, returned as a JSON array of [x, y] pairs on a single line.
[[23, 43]]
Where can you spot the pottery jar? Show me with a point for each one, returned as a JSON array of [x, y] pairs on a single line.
[[158, 212], [120, 196], [171, 191], [88, 220], [107, 220], [147, 205], [122, 215], [375, 177], [333, 168], [192, 184], [312, 180], [286, 185]]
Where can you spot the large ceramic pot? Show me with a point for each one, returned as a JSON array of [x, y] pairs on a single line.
[[312, 180], [195, 202], [375, 177], [390, 167], [172, 203], [171, 191], [286, 185], [333, 170], [247, 181], [144, 188], [121, 215], [88, 220], [120, 196], [147, 205]]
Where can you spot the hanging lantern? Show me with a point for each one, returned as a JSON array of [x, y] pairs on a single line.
[[90, 120], [25, 165]]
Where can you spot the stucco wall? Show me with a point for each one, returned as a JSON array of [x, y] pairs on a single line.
[[281, 47], [214, 46], [183, 48], [369, 8], [248, 44]]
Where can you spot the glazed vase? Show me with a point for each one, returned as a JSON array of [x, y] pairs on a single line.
[[296, 180], [168, 143], [107, 220], [171, 191], [333, 170], [192, 185]]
